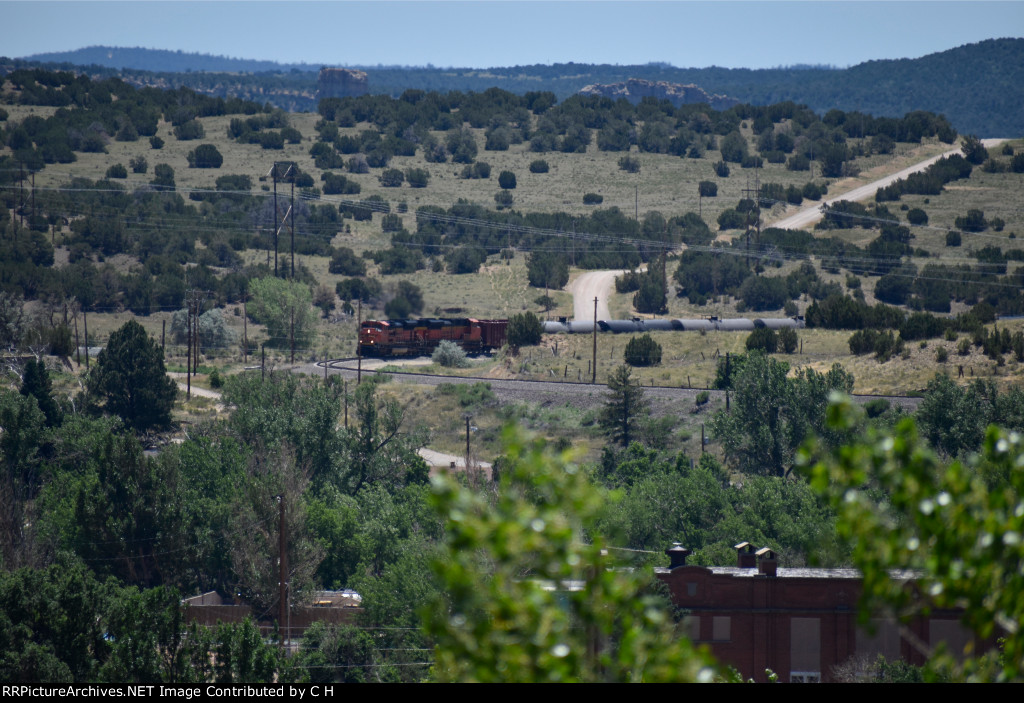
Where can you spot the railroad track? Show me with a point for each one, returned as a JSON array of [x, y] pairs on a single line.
[[580, 394]]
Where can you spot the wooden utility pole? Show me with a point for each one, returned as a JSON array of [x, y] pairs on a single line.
[[245, 330], [359, 347], [293, 333], [195, 337], [188, 351], [78, 348], [274, 171], [593, 377], [292, 211], [282, 552], [85, 323]]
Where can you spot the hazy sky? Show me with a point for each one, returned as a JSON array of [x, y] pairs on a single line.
[[485, 33]]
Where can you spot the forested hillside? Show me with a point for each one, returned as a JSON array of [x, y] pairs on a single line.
[[976, 86]]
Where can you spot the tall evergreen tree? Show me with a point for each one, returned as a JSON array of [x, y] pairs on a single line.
[[131, 381], [36, 383], [624, 407]]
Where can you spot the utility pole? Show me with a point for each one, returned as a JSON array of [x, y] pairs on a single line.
[[85, 323], [188, 351], [245, 330], [293, 334], [195, 337], [755, 195], [283, 571], [593, 377], [274, 171], [359, 347], [78, 348], [292, 210]]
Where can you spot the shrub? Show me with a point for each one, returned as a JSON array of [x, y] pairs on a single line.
[[592, 199], [643, 351], [764, 339], [953, 239], [630, 164], [702, 398], [117, 171], [449, 355], [539, 166], [205, 156], [707, 189], [193, 129], [941, 355], [156, 142], [163, 176], [139, 164], [507, 180], [392, 178], [524, 330], [788, 339], [417, 177], [917, 216], [480, 169]]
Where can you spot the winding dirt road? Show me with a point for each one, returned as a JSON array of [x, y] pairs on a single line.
[[590, 285], [598, 284], [810, 215]]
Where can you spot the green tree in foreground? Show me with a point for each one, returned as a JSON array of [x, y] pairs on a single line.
[[772, 414], [959, 526], [130, 380], [509, 613]]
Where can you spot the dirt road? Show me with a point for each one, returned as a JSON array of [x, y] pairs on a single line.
[[590, 285], [810, 215]]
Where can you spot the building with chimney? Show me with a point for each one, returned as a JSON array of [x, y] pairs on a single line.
[[800, 623]]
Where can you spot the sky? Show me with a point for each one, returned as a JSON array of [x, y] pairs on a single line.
[[482, 33]]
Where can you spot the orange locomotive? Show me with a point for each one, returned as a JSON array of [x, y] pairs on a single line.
[[419, 337]]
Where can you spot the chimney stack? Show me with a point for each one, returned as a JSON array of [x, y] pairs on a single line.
[[746, 558], [767, 563], [677, 555]]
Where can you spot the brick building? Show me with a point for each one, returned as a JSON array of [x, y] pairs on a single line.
[[799, 622]]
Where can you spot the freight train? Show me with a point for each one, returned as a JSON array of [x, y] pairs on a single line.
[[421, 337]]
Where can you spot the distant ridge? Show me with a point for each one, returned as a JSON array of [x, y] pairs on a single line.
[[635, 89], [164, 61], [979, 87]]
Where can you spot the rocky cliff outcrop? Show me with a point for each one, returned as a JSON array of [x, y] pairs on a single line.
[[635, 89], [341, 83]]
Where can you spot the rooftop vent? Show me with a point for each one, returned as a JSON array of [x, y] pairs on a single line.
[[677, 555]]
